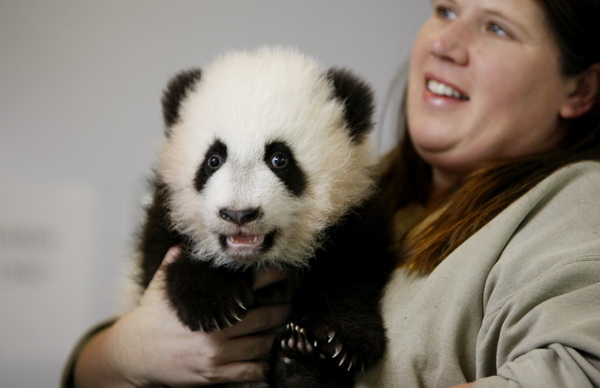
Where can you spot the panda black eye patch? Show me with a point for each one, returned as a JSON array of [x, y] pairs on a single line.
[[215, 157], [280, 159]]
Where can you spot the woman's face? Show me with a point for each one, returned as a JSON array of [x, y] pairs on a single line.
[[484, 83]]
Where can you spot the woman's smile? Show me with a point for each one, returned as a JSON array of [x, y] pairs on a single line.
[[442, 89]]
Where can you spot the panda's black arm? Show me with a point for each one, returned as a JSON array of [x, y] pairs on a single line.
[[204, 297], [356, 259], [156, 236]]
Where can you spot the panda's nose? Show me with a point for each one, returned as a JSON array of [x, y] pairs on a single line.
[[240, 217]]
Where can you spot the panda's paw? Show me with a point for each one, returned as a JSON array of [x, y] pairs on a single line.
[[302, 341], [206, 299], [216, 314], [299, 362], [346, 348]]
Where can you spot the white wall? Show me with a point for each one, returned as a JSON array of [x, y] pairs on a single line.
[[80, 84]]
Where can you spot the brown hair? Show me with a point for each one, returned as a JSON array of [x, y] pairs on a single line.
[[406, 178]]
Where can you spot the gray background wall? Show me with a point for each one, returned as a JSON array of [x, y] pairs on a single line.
[[80, 85]]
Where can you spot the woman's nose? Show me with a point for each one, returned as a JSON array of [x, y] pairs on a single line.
[[451, 44]]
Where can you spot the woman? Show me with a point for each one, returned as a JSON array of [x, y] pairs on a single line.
[[499, 276]]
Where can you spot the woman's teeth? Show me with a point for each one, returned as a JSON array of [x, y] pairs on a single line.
[[444, 90]]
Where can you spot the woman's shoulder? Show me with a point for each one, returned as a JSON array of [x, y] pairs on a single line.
[[571, 193], [562, 210], [574, 177]]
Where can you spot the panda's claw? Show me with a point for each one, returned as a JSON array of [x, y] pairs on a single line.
[[239, 303], [338, 350], [330, 337], [236, 317], [350, 364]]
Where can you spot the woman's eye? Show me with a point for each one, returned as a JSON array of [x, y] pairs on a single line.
[[496, 29], [445, 12], [279, 160], [214, 161]]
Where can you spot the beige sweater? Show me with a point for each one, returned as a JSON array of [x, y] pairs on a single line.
[[516, 305]]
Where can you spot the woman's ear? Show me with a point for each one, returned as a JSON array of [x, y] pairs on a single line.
[[585, 90]]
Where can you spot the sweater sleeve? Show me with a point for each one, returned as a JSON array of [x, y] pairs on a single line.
[[541, 324], [68, 376], [547, 333]]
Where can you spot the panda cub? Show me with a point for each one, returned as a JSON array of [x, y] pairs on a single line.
[[267, 163]]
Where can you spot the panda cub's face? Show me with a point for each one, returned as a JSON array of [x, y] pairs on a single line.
[[262, 154], [250, 198]]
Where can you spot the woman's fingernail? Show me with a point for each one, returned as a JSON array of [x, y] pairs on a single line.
[[174, 252]]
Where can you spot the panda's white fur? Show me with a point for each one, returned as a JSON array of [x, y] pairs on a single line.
[[285, 96]]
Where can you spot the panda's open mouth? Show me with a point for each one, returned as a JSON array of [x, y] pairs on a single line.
[[247, 243], [242, 241]]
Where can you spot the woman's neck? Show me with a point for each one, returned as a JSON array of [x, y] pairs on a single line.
[[442, 183]]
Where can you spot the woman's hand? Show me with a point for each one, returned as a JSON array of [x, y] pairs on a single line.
[[149, 345]]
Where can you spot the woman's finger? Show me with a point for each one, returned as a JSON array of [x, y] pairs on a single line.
[[246, 348], [171, 256], [258, 320], [235, 371], [158, 283], [265, 277]]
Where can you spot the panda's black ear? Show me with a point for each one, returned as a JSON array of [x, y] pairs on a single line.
[[177, 89], [357, 98]]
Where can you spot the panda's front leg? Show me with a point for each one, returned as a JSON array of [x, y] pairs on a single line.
[[207, 298]]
